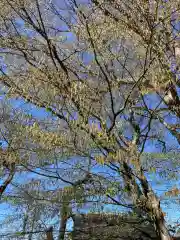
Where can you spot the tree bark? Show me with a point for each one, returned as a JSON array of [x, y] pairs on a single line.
[[146, 200], [8, 180], [65, 214], [49, 234], [62, 229], [159, 221], [153, 208]]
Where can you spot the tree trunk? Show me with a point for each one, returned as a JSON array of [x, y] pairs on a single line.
[[151, 205], [62, 229], [146, 200], [49, 234], [65, 214], [159, 222], [8, 180], [164, 234]]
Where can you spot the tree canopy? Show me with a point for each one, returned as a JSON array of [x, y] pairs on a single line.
[[100, 84]]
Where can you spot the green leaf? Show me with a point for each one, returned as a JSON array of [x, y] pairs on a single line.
[[153, 169], [19, 233], [48, 109]]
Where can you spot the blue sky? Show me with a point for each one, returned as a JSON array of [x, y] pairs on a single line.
[[172, 210]]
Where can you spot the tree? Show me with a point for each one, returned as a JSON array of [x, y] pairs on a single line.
[[99, 103], [7, 156]]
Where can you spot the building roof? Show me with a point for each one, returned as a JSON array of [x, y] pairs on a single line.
[[111, 226]]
